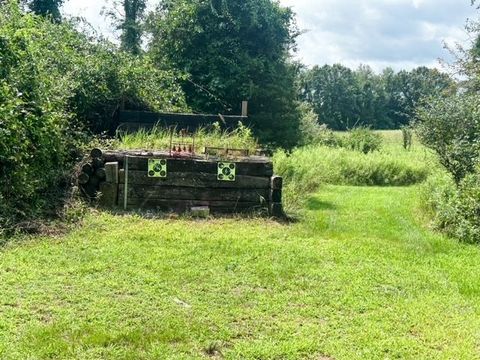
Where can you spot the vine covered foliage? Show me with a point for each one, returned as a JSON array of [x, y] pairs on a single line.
[[55, 84]]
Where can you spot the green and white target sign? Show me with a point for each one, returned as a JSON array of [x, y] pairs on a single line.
[[226, 171], [157, 168]]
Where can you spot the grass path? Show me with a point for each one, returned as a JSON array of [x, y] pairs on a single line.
[[358, 278]]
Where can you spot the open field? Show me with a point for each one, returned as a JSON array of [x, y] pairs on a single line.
[[295, 230], [360, 277]]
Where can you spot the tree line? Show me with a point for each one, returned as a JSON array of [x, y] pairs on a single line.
[[228, 51], [344, 99]]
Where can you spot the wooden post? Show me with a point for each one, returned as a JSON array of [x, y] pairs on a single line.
[[109, 192], [245, 108], [109, 188], [275, 206], [111, 169]]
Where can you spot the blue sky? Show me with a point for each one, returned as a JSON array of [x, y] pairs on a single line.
[[380, 33]]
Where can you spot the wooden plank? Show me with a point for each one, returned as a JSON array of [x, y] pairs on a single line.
[[261, 169], [179, 120], [185, 193], [111, 169], [196, 180], [276, 192], [186, 205]]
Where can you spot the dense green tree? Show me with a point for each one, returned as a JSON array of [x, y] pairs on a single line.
[[232, 51], [451, 127], [47, 8], [343, 98], [412, 87], [332, 90], [475, 50], [372, 99]]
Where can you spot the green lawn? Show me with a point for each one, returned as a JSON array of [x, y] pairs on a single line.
[[359, 277]]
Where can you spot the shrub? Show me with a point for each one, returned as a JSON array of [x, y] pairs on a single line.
[[455, 209], [106, 79], [312, 133], [363, 140], [451, 128], [55, 81]]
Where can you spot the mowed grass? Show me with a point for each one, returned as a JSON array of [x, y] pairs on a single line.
[[360, 277]]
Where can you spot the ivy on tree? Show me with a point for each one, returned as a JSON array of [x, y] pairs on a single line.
[[128, 17]]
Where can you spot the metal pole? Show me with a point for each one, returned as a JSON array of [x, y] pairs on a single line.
[[125, 191]]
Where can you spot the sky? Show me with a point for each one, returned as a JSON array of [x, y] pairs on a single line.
[[398, 33]]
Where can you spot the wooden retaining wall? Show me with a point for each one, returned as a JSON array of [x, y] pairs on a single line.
[[121, 179]]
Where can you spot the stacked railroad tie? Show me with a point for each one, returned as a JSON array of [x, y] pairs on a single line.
[[158, 180]]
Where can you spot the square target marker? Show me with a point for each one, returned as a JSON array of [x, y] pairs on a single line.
[[226, 171], [157, 168]]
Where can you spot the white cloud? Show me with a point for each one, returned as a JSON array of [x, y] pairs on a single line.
[[397, 33], [380, 33]]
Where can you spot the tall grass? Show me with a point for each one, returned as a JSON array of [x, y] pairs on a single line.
[[159, 138], [307, 168]]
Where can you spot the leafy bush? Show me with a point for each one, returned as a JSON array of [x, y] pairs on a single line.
[[455, 209], [105, 79], [305, 169], [451, 127], [55, 81], [363, 140], [311, 132]]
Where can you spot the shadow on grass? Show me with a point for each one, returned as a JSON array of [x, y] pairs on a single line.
[[315, 203], [163, 214]]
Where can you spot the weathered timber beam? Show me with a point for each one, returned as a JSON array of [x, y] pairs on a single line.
[[243, 167], [175, 119], [276, 207], [184, 193], [189, 179]]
